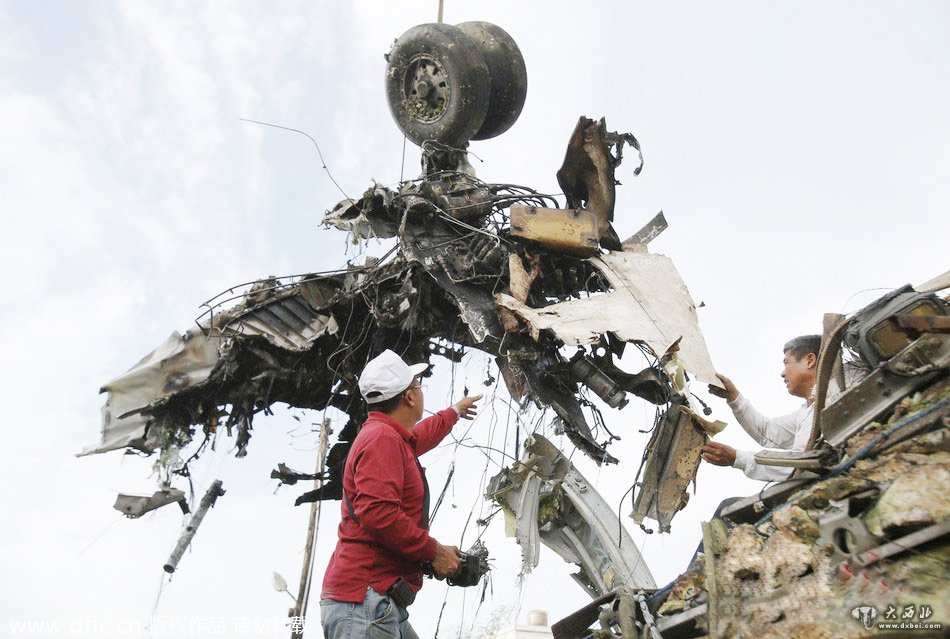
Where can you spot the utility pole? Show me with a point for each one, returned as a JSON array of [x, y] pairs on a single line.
[[306, 572]]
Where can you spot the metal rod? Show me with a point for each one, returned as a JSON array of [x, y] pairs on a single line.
[[829, 321], [306, 571], [207, 502], [648, 620], [441, 3], [906, 542]]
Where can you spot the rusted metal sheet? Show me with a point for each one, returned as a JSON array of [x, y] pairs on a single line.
[[521, 278], [587, 175], [570, 231], [672, 459]]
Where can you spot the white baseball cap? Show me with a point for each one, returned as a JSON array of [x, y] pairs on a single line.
[[386, 375]]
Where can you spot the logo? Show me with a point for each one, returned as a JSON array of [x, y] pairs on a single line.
[[865, 615], [906, 617]]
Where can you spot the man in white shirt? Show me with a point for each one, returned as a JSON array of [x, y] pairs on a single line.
[[788, 432]]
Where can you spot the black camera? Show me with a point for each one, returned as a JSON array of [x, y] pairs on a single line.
[[474, 564]]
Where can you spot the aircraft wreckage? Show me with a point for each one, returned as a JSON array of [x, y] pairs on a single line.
[[553, 294], [855, 543]]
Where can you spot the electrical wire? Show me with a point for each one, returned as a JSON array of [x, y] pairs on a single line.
[[315, 145]]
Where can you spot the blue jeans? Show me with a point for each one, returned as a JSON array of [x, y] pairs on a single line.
[[376, 618]]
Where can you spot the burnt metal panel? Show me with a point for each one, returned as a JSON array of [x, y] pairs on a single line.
[[573, 520], [922, 361], [749, 509], [134, 506], [648, 233], [673, 455], [286, 321]]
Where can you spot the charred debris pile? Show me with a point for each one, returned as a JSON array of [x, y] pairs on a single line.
[[494, 267]]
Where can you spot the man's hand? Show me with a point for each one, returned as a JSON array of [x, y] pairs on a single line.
[[446, 562], [719, 454], [730, 393], [466, 407]]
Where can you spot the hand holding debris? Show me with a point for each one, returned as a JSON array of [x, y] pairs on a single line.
[[466, 407], [719, 454], [729, 392], [446, 561]]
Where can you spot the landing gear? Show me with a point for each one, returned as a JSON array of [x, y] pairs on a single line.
[[454, 84]]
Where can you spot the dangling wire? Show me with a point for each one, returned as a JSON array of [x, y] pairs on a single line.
[[402, 168], [316, 146]]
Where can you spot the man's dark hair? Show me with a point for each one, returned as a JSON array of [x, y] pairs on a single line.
[[803, 345], [387, 405]]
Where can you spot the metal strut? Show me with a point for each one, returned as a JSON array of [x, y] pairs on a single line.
[[184, 541]]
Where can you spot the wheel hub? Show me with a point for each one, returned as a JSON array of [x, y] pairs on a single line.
[[425, 89]]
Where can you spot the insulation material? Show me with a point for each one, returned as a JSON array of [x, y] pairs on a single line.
[[917, 498], [649, 303], [712, 427], [181, 362]]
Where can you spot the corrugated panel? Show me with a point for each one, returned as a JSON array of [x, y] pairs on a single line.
[[286, 322]]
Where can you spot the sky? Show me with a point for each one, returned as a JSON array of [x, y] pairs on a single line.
[[796, 149]]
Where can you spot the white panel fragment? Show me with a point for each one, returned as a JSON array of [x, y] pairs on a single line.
[[181, 362], [649, 303]]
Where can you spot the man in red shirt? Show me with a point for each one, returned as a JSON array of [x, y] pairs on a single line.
[[375, 570]]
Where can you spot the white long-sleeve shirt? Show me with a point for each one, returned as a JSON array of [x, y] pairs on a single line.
[[788, 432]]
